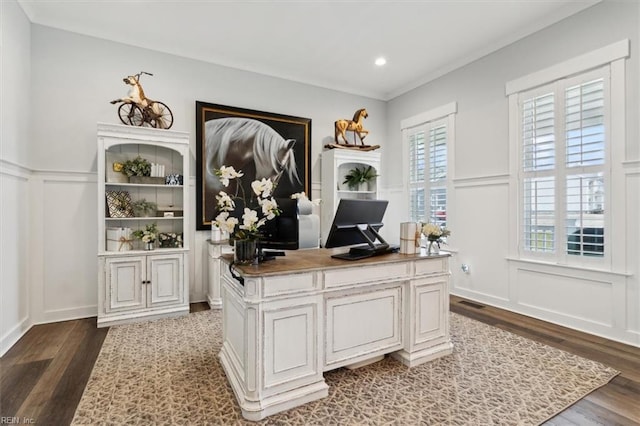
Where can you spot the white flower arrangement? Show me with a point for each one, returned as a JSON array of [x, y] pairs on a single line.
[[260, 200], [434, 232], [148, 235], [170, 240]]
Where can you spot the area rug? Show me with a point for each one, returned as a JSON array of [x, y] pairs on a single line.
[[167, 372]]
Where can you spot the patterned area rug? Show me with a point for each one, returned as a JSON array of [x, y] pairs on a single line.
[[167, 372]]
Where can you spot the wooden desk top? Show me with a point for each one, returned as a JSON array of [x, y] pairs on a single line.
[[307, 260]]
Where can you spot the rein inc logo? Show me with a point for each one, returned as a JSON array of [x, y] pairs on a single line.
[[17, 420]]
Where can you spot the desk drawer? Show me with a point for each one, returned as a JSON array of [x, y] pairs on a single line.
[[287, 284], [438, 265], [365, 274]]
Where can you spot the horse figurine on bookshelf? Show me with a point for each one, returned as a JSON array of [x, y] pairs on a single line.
[[343, 125]]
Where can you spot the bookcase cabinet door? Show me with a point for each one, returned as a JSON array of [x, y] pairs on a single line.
[[124, 284], [165, 275]]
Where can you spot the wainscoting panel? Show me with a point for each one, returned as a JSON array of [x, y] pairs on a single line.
[[633, 249], [481, 239], [69, 246], [575, 297], [14, 228]]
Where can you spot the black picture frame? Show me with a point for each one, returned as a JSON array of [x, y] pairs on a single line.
[[215, 122]]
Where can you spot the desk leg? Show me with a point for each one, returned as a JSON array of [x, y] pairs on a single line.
[[271, 352], [214, 276], [426, 322]]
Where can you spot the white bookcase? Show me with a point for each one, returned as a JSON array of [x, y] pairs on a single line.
[[136, 284], [336, 164]]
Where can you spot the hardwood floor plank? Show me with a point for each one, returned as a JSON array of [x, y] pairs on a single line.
[[587, 414], [61, 406], [16, 382], [38, 398], [45, 342], [612, 397], [198, 307]]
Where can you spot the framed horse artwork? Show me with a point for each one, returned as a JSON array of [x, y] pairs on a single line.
[[260, 144]]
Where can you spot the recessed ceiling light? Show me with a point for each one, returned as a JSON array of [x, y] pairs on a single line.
[[380, 61]]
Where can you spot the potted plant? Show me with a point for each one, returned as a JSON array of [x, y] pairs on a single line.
[[139, 171], [358, 178], [144, 208], [137, 167], [147, 236]]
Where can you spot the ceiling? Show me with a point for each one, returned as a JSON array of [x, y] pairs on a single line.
[[331, 44]]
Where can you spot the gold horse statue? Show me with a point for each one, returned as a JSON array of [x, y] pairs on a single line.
[[343, 125]]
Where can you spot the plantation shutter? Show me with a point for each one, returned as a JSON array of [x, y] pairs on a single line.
[[417, 173], [538, 161], [585, 155], [438, 174]]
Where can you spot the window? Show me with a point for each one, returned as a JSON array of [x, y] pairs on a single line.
[[564, 169], [428, 173], [428, 141]]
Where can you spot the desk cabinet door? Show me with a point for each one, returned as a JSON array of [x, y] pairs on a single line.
[[291, 342], [362, 325], [125, 289], [430, 310]]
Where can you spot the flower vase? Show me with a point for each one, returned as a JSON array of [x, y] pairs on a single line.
[[433, 248], [245, 251], [149, 245], [216, 233]]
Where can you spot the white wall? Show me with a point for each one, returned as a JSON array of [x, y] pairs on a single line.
[[481, 223], [15, 62], [73, 79]]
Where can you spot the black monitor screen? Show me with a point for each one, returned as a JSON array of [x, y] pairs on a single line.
[[281, 233], [355, 212]]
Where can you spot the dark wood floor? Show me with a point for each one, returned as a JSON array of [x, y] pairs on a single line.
[[42, 377]]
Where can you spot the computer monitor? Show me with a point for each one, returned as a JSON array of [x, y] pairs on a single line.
[[279, 233], [358, 222], [282, 233]]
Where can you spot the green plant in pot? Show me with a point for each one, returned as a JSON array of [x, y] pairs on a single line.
[[144, 208], [137, 167], [359, 176]]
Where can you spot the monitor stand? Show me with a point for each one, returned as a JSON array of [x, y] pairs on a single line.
[[368, 250], [364, 251], [265, 255]]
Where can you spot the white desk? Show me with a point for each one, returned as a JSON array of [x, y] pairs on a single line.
[[306, 313]]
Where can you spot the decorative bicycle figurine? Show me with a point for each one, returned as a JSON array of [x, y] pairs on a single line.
[[138, 110]]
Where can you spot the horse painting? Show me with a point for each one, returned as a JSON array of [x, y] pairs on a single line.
[[342, 126], [250, 146]]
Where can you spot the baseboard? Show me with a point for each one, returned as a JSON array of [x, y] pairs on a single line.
[[68, 314], [628, 337], [11, 338]]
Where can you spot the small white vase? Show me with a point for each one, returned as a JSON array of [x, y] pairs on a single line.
[[216, 234]]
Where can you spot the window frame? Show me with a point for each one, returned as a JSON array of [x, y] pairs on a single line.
[[560, 171], [443, 115], [613, 58]]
